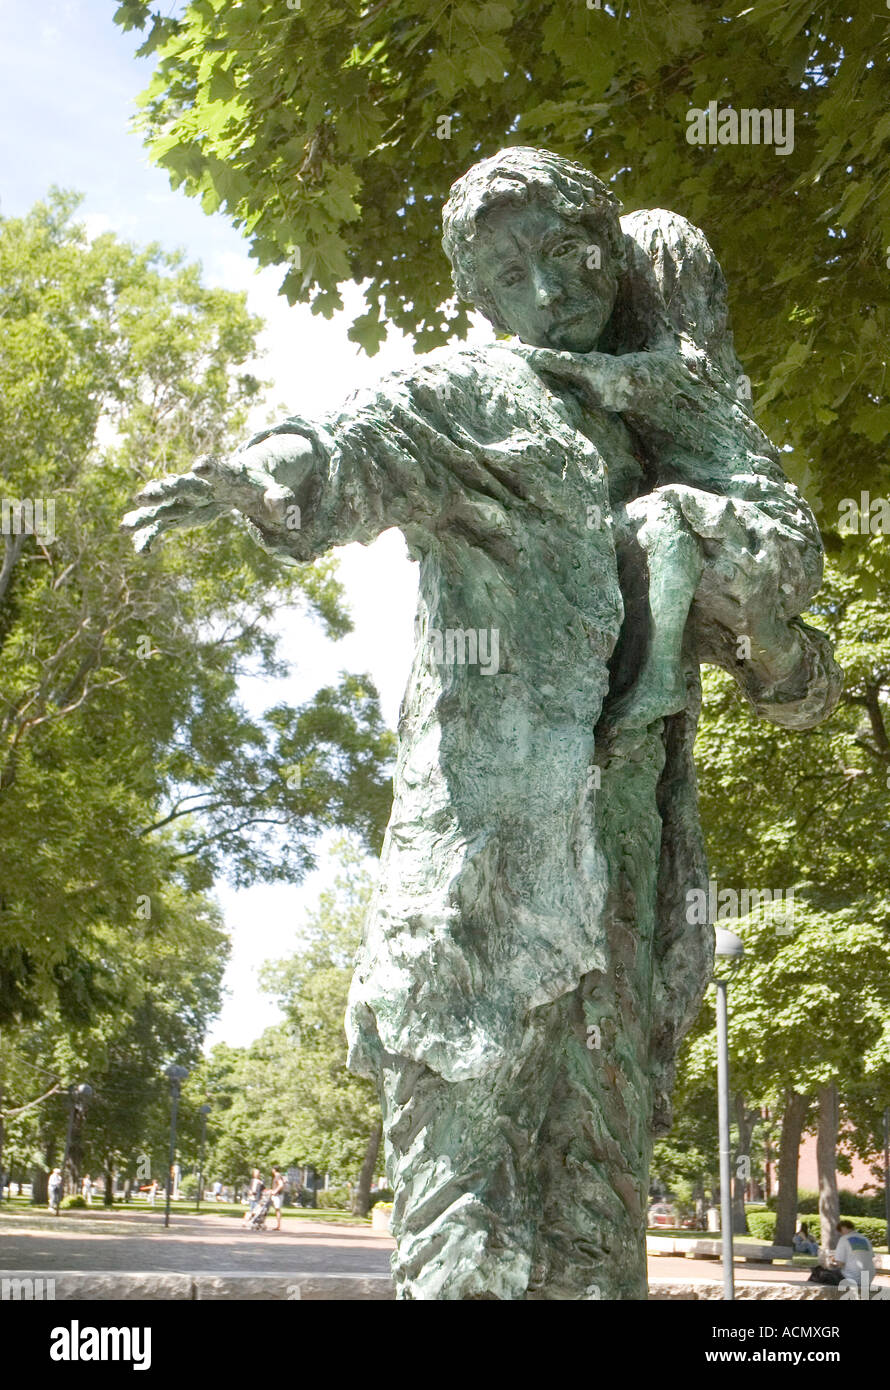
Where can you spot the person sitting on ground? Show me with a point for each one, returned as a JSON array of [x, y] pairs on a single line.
[[801, 1242], [854, 1254]]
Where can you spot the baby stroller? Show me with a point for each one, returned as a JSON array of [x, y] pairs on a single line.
[[257, 1219]]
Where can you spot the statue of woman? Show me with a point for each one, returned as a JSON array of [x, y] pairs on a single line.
[[594, 512]]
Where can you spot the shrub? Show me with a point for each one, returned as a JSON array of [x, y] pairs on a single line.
[[334, 1198], [381, 1198], [862, 1204], [851, 1203], [72, 1204], [762, 1224]]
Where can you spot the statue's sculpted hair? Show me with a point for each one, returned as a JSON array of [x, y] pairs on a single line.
[[516, 177]]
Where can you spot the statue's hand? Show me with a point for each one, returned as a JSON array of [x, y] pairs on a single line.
[[214, 486], [607, 382], [594, 375]]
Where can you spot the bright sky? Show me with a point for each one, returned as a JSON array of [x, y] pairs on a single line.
[[68, 80]]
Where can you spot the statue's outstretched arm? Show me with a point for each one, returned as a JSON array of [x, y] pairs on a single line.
[[304, 486]]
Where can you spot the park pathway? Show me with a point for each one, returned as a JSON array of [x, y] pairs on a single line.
[[192, 1245], [136, 1242]]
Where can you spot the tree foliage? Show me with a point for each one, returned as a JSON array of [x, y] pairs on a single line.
[[160, 992], [127, 762], [782, 807], [288, 1097], [806, 812], [316, 129]]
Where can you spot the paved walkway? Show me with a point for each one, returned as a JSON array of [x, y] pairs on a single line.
[[192, 1245], [678, 1267], [138, 1242]]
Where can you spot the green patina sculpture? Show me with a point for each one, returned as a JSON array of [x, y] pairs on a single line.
[[595, 512]]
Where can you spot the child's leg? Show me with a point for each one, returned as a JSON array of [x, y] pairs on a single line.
[[671, 552], [748, 578]]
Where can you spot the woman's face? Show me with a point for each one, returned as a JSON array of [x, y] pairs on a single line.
[[551, 285]]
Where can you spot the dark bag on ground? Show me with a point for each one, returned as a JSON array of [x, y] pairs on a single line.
[[820, 1275]]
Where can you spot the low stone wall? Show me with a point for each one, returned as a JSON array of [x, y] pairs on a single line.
[[769, 1290], [101, 1287], [68, 1286]]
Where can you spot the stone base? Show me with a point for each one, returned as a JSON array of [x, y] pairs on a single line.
[[70, 1286], [294, 1287], [768, 1290]]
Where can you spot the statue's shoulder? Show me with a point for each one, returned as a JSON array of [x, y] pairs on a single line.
[[469, 366], [689, 278]]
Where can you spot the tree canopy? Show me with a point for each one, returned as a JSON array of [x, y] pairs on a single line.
[[330, 132], [288, 1097], [161, 990], [127, 763]]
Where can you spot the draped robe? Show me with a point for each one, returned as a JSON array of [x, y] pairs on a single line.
[[494, 880]]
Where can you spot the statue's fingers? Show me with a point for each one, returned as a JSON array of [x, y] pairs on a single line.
[[207, 466], [165, 515], [144, 536], [159, 513], [177, 487], [138, 518]]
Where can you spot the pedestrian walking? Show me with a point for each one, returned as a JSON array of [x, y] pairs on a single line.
[[54, 1190], [279, 1183]]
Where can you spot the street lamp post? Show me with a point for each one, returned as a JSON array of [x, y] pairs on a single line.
[[175, 1075], [203, 1112], [78, 1097], [729, 951]]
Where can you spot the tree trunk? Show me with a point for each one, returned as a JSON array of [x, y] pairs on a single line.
[[361, 1199], [745, 1121], [698, 1197], [826, 1159], [793, 1117], [108, 1194], [768, 1154]]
